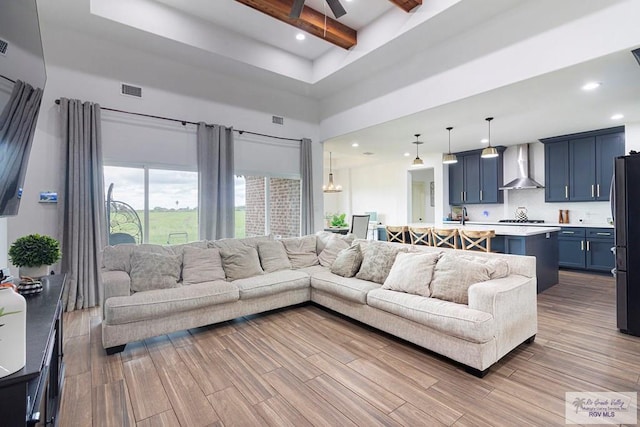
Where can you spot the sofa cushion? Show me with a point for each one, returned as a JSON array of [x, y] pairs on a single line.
[[117, 258], [201, 265], [349, 288], [301, 251], [179, 249], [454, 274], [272, 283], [498, 268], [273, 257], [241, 262], [235, 243], [348, 261], [154, 271], [412, 273], [377, 260], [323, 237], [331, 250], [156, 304], [447, 317]]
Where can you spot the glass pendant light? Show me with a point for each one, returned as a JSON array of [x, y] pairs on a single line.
[[490, 151], [417, 161], [449, 158], [331, 187]]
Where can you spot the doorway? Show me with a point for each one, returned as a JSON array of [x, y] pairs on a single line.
[[422, 196]]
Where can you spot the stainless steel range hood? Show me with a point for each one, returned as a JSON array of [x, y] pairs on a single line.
[[522, 181]]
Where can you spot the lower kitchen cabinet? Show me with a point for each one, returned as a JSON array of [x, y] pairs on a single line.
[[586, 248]]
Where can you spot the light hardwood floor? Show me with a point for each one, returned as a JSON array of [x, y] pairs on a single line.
[[307, 366]]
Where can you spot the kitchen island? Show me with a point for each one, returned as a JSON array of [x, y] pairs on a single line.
[[540, 242]]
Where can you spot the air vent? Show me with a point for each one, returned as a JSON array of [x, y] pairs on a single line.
[[130, 90], [4, 45], [277, 120]]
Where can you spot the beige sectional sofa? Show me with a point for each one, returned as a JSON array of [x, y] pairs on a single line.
[[425, 295]]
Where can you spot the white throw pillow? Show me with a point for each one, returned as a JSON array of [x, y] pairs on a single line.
[[273, 257], [347, 262], [241, 263], [377, 260], [499, 268], [301, 251], [201, 265], [154, 271], [454, 274], [412, 273], [331, 250]]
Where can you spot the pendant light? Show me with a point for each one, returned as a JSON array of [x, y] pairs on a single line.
[[490, 151], [449, 158], [331, 187], [417, 161]]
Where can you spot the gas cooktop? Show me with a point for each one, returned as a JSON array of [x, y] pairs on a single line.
[[525, 221]]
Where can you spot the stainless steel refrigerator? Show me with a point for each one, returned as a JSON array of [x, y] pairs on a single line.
[[625, 202]]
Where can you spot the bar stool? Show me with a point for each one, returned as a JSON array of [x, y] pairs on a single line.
[[420, 235], [395, 233], [477, 240], [447, 237]]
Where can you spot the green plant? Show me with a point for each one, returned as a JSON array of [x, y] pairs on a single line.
[[34, 250], [338, 220]]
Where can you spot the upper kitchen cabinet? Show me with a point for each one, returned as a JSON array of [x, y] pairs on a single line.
[[579, 167], [474, 180]]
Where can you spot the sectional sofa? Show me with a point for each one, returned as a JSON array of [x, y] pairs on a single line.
[[472, 308]]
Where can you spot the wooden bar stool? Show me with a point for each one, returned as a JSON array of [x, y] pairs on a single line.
[[477, 240], [447, 237], [395, 233], [420, 235]]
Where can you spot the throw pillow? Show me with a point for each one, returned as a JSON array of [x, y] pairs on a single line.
[[499, 268], [301, 251], [331, 250], [117, 258], [377, 260], [241, 263], [151, 270], [201, 265], [323, 237], [273, 257], [233, 243], [454, 274], [412, 273], [347, 262]]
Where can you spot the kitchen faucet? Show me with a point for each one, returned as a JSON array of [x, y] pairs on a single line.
[[463, 216]]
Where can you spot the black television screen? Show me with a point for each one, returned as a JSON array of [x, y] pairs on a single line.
[[21, 62]]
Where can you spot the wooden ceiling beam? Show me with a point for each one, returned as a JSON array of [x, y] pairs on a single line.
[[311, 21], [407, 5]]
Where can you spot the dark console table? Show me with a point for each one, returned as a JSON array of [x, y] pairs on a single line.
[[32, 395]]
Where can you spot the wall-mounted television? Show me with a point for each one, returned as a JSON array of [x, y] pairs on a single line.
[[21, 60]]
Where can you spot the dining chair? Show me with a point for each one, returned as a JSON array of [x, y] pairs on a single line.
[[445, 237], [477, 240], [360, 226], [420, 235], [396, 233]]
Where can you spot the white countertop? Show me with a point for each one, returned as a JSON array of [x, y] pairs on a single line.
[[500, 230], [544, 224]]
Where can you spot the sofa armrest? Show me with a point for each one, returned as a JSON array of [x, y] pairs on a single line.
[[115, 284], [513, 302]]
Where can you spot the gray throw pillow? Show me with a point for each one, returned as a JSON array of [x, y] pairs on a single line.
[[154, 271], [241, 263], [117, 258], [323, 237], [301, 251], [233, 243], [347, 262], [331, 250], [412, 273], [273, 257], [498, 268], [377, 260], [201, 265], [454, 274]]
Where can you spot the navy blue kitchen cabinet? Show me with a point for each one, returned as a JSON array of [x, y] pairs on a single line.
[[475, 180], [456, 182], [599, 244], [571, 247], [579, 167], [586, 248], [472, 178]]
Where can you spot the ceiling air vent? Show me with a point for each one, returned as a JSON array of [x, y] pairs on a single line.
[[4, 45], [130, 90], [277, 120]]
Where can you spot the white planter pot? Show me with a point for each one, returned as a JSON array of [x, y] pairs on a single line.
[[13, 332], [34, 272]]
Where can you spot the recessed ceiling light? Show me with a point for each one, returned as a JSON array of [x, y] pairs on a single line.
[[407, 154], [591, 86], [617, 116], [355, 144], [300, 36], [484, 140]]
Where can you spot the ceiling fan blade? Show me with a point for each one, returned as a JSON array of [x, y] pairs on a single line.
[[336, 8], [296, 9]]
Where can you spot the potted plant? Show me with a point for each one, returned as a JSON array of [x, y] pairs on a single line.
[[34, 254], [337, 221]]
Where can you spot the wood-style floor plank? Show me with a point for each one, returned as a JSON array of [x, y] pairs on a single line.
[[304, 366]]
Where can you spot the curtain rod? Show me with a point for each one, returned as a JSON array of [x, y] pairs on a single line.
[[7, 78], [185, 122]]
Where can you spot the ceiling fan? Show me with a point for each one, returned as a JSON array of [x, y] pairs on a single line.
[[334, 5]]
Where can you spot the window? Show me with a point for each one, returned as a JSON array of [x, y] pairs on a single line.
[[267, 205], [166, 201]]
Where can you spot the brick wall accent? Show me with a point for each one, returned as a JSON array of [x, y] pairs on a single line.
[[284, 204], [255, 207]]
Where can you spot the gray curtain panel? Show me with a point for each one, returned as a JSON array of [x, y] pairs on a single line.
[[306, 173], [216, 184], [17, 125], [81, 203]]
